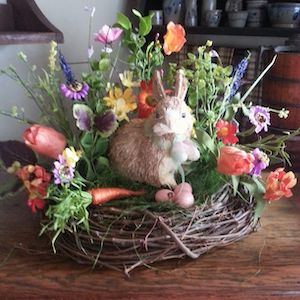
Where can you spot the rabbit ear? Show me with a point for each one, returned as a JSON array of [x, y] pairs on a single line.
[[181, 85], [158, 89]]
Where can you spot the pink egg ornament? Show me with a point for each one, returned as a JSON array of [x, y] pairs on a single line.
[[184, 199], [183, 187], [164, 195]]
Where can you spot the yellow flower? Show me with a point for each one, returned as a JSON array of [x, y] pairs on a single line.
[[126, 79], [71, 156], [52, 57], [121, 102]]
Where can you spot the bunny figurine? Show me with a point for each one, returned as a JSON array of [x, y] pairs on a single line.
[[152, 150]]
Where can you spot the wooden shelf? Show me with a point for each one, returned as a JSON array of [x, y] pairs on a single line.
[[246, 37], [246, 31], [22, 22], [22, 37]]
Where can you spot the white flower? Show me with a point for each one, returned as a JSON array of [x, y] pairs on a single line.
[[283, 113], [90, 51]]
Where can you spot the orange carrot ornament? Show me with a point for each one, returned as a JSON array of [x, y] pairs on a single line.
[[103, 195]]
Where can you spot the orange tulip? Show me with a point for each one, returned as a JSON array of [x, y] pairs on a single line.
[[174, 38], [279, 184], [233, 161], [44, 140]]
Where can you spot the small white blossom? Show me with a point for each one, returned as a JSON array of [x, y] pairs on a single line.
[[283, 113]]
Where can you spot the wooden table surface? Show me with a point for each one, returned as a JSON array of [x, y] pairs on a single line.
[[265, 265]]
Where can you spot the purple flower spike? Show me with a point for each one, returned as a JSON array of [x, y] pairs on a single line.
[[75, 91], [261, 161], [238, 75], [65, 67], [260, 117], [106, 123], [62, 172]]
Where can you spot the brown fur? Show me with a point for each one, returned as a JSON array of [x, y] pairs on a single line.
[[134, 154]]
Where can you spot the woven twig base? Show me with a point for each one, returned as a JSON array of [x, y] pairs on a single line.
[[125, 240]]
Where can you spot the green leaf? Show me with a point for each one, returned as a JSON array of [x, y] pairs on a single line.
[[101, 146], [260, 205], [204, 139], [259, 184], [102, 162], [104, 64], [191, 56], [235, 184], [123, 21], [246, 110], [250, 186], [145, 25], [137, 13], [85, 169], [229, 114], [87, 141], [86, 195]]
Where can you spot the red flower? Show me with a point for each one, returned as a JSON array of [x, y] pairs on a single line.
[[226, 131], [35, 203], [174, 38], [279, 184], [44, 140], [146, 102], [36, 180], [233, 161]]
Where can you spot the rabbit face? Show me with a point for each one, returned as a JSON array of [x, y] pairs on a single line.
[[172, 116]]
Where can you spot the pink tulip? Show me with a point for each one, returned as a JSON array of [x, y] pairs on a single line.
[[107, 34], [233, 161], [44, 140]]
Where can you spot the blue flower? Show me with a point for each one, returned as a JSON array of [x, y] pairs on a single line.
[[70, 78], [238, 75]]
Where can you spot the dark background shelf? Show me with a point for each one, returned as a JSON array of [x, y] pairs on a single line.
[[22, 22], [264, 31]]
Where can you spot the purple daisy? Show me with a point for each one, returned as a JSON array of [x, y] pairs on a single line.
[[260, 117], [106, 123], [261, 161], [73, 89], [62, 172]]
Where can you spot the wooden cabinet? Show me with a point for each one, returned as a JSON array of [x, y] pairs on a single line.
[[226, 36], [22, 22]]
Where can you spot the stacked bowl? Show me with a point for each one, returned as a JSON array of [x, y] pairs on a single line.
[[284, 14], [257, 13]]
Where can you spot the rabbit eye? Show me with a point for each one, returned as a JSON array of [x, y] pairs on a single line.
[[183, 115], [157, 115]]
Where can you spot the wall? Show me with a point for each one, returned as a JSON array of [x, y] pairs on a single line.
[[71, 18]]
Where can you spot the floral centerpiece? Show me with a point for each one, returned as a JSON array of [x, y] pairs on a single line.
[[150, 166]]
